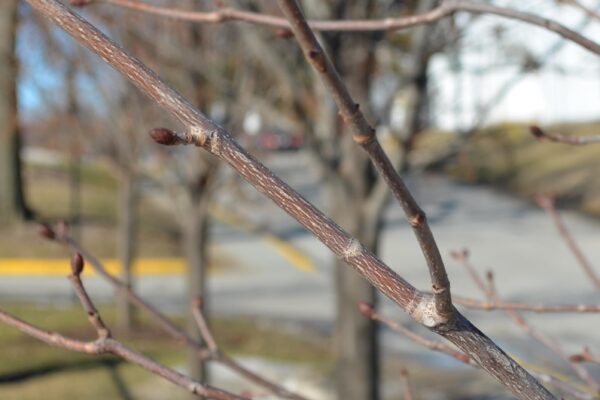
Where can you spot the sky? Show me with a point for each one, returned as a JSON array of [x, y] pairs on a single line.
[[567, 88]]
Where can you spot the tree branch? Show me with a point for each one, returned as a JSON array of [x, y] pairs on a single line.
[[542, 135], [213, 138], [550, 343], [61, 235], [446, 9], [548, 205], [364, 135], [106, 345], [490, 305]]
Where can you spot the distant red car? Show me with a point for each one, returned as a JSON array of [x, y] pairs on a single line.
[[278, 141]]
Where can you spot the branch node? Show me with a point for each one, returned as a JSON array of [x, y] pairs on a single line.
[[352, 249], [425, 312], [417, 219]]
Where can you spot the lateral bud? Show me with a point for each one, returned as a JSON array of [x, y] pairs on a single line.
[[77, 264], [165, 136]]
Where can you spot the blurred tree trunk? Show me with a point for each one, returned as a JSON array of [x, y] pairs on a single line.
[[357, 353], [418, 82], [195, 241], [197, 224], [12, 201], [128, 201], [357, 363]]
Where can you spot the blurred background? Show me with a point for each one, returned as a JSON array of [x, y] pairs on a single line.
[[452, 103]]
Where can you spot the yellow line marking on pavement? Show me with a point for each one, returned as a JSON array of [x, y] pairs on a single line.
[[62, 267], [290, 253], [158, 266]]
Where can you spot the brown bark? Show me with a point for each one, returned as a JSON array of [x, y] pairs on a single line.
[[216, 140], [12, 201]]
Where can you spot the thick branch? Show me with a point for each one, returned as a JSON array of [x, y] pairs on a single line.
[[364, 134]]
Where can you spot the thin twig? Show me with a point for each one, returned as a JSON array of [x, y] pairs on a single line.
[[61, 235], [548, 205], [364, 135], [446, 9], [87, 304], [462, 256], [578, 4], [550, 343], [202, 325], [368, 311], [490, 305], [106, 345], [542, 135]]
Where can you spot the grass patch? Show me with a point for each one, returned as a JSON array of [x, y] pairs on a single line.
[[506, 155], [48, 194], [37, 368]]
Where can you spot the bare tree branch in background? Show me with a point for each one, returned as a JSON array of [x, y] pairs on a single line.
[[106, 344], [578, 4], [368, 311], [488, 305], [548, 205], [491, 292], [446, 8], [204, 133], [542, 135], [208, 352]]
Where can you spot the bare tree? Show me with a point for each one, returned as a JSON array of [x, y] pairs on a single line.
[[433, 310], [12, 201]]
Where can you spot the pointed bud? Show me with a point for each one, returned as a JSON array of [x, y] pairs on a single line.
[[46, 231], [77, 264], [366, 309], [164, 136]]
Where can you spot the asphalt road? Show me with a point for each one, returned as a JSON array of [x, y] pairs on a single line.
[[511, 237]]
